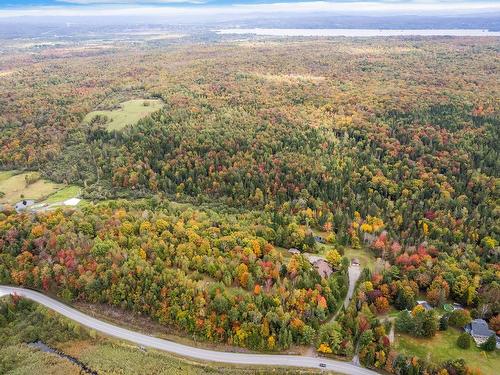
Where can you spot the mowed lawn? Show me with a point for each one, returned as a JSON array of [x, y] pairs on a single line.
[[65, 193], [13, 185], [443, 347], [128, 114], [365, 257]]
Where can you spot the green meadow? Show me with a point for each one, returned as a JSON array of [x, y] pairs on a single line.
[[128, 113]]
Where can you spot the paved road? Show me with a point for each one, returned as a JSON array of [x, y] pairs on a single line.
[[184, 350]]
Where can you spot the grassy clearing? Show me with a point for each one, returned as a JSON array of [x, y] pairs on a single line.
[[64, 194], [283, 252], [129, 113], [113, 357], [443, 347], [366, 258], [4, 175], [14, 186], [22, 360]]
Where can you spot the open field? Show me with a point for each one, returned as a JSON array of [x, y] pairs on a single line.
[[129, 113], [14, 186], [64, 194], [366, 258], [443, 347], [109, 356]]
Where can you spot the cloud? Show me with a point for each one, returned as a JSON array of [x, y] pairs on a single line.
[[206, 8], [132, 2]]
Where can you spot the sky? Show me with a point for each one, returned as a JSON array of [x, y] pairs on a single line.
[[15, 8]]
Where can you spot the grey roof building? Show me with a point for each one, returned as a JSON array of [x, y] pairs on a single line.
[[24, 204], [480, 331]]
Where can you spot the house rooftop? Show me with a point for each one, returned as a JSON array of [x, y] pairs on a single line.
[[72, 202], [24, 204], [313, 258], [479, 327], [323, 268]]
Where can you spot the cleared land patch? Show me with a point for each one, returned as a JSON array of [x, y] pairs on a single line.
[[64, 194], [14, 187], [289, 78], [5, 73], [128, 113], [443, 347], [365, 256]]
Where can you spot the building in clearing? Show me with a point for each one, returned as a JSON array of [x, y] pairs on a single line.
[[72, 202], [480, 331], [294, 251], [425, 305], [323, 267], [452, 307], [23, 205]]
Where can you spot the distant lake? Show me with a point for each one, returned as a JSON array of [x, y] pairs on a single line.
[[361, 32]]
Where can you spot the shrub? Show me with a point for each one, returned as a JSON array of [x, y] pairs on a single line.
[[32, 177], [495, 323], [459, 318], [443, 323], [404, 322], [463, 341], [490, 344]]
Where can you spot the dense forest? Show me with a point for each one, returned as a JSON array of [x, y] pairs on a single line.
[[193, 270], [387, 146]]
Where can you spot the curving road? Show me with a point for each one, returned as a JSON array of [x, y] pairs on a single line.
[[184, 350]]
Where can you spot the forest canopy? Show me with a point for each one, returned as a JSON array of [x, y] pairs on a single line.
[[327, 146]]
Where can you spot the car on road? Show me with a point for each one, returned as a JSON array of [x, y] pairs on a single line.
[[322, 365]]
